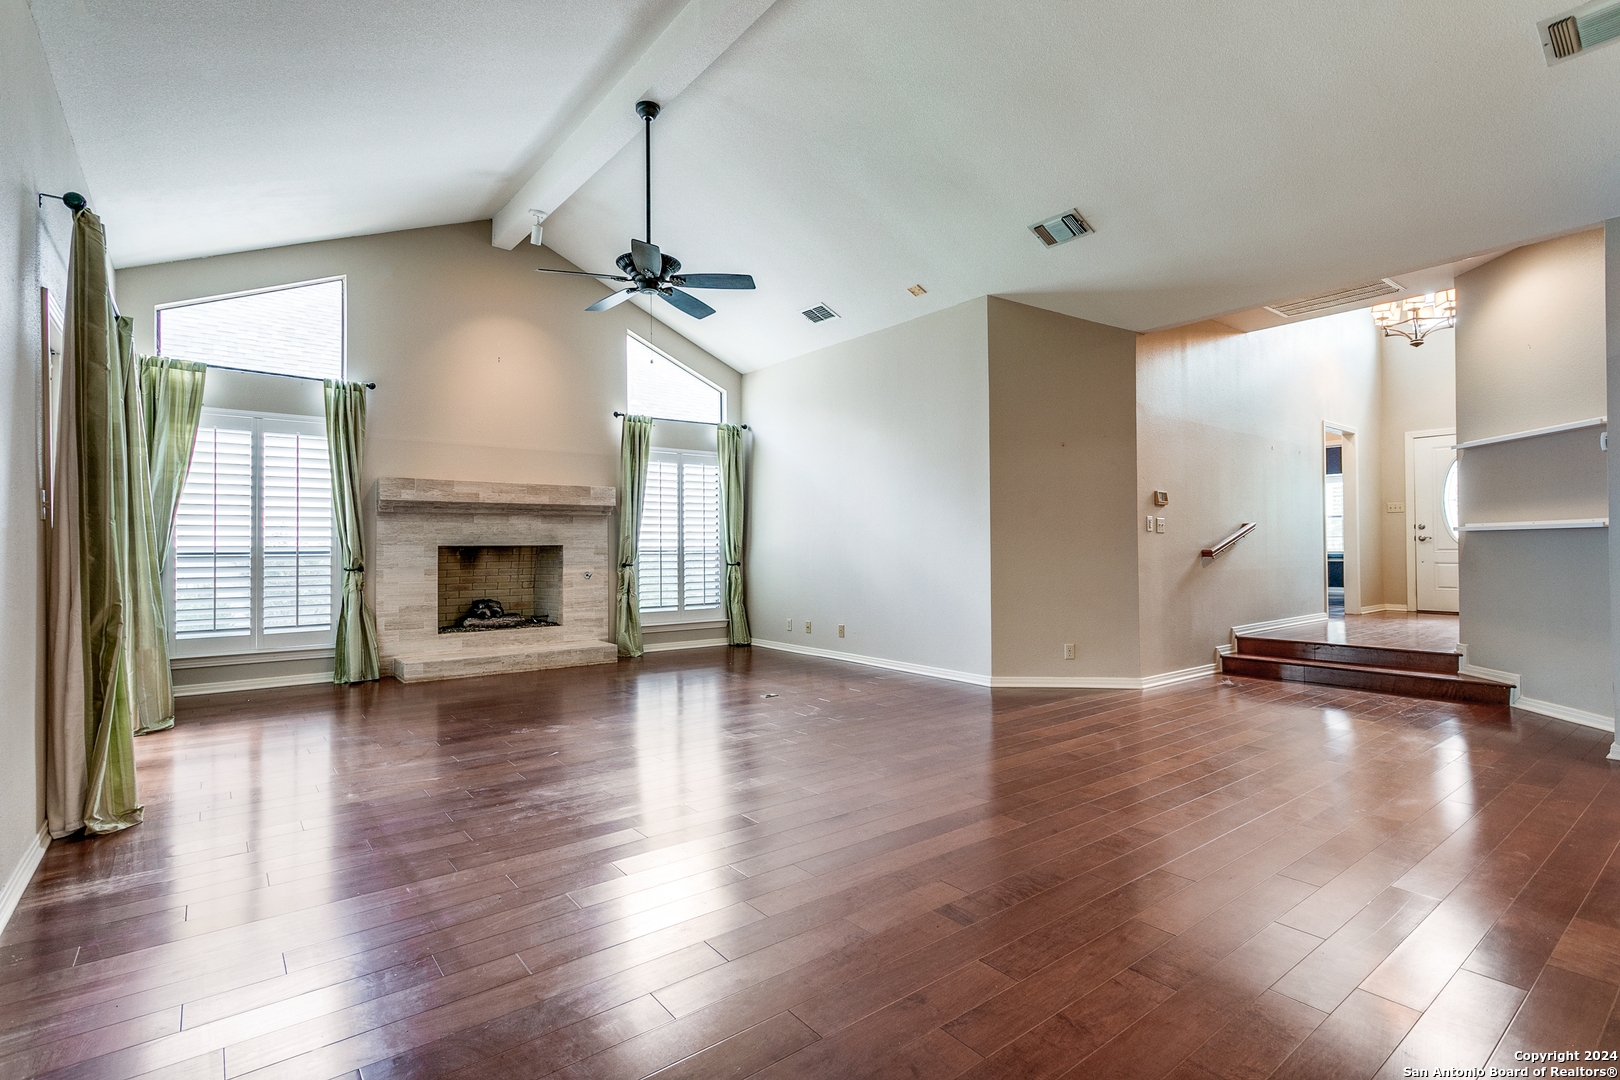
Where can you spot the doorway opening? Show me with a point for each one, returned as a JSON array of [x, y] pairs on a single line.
[[1341, 567]]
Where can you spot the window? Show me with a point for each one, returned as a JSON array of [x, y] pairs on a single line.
[[291, 330], [656, 385], [254, 568], [678, 563]]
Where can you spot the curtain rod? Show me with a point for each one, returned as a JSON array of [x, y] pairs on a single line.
[[670, 420], [70, 199], [280, 375]]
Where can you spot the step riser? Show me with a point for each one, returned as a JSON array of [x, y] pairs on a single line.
[[1413, 685], [1367, 655]]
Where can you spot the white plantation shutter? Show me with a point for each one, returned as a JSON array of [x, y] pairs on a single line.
[[213, 538], [678, 561], [253, 566], [700, 534], [658, 544], [297, 516]]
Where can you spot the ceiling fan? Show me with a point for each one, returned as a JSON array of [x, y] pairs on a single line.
[[650, 271]]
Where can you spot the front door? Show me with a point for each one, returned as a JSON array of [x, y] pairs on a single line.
[[1434, 532]]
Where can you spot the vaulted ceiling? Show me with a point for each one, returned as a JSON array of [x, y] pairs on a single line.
[[1228, 154]]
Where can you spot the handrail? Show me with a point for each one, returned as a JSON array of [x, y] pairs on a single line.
[[1243, 530]]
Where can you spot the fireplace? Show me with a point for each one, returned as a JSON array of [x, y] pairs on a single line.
[[541, 551], [499, 587]]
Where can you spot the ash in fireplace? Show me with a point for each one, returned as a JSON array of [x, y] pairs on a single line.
[[488, 614]]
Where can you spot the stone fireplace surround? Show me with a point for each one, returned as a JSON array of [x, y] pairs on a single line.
[[410, 519]]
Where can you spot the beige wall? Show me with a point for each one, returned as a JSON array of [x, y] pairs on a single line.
[[485, 370], [1231, 425], [37, 155], [1418, 393], [1531, 352], [1062, 494], [871, 495]]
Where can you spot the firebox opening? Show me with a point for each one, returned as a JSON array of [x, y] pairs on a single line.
[[499, 588]]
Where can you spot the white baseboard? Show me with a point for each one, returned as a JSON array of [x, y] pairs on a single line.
[[1536, 705], [1280, 624], [232, 686], [675, 646], [1371, 609], [1565, 712], [22, 874], [877, 662], [1033, 682], [1614, 752]]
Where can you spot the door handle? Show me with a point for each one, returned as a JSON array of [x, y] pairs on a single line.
[[1421, 539]]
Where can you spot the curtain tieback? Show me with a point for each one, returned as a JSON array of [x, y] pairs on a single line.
[[733, 564], [626, 565], [354, 569]]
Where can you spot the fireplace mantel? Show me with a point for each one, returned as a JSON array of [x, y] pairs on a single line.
[[406, 493]]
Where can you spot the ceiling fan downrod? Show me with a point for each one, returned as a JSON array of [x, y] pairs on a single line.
[[648, 111]]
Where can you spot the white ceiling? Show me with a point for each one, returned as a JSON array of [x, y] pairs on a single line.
[[1229, 154]]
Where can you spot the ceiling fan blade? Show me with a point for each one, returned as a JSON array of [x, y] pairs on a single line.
[[688, 303], [612, 301], [714, 281], [580, 273], [648, 259]]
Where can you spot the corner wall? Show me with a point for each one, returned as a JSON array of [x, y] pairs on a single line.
[[1419, 393], [870, 496], [1062, 496], [35, 240], [1231, 425], [1531, 353]]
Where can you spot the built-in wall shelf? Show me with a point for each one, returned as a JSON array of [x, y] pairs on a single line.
[[1512, 436], [1517, 526]]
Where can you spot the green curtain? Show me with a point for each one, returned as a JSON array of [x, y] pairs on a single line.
[[635, 447], [172, 391], [94, 750], [733, 514], [153, 685], [355, 659]]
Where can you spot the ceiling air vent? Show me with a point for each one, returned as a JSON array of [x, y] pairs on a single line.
[[1061, 229], [1355, 294], [1579, 30], [819, 313]]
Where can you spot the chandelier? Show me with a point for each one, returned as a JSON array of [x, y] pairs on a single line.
[[1419, 315]]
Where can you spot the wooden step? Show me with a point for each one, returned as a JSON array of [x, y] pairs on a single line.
[[1442, 663], [1382, 680]]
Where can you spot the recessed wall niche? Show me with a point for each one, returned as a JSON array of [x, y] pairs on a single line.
[[526, 581]]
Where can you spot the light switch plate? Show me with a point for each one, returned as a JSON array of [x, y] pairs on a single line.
[[1394, 508], [1158, 525], [1150, 523]]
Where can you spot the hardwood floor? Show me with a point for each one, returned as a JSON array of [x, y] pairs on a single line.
[[732, 863]]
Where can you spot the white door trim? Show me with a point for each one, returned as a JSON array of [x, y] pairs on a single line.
[[1352, 516], [1411, 507]]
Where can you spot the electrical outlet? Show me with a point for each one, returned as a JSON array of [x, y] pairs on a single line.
[[1150, 523], [807, 626], [1394, 508], [1068, 652], [840, 629], [1158, 525]]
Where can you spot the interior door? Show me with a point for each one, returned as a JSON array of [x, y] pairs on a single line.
[[1433, 533]]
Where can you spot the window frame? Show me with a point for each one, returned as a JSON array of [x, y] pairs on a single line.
[[632, 335], [343, 322], [681, 615], [257, 642]]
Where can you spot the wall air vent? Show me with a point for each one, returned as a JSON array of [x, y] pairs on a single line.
[[1061, 229], [819, 313], [1576, 31], [1338, 298]]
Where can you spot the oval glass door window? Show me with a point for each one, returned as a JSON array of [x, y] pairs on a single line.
[[1448, 499]]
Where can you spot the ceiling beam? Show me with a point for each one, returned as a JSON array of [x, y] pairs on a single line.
[[692, 41]]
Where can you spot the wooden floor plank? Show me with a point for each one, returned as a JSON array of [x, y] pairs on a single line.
[[651, 868]]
